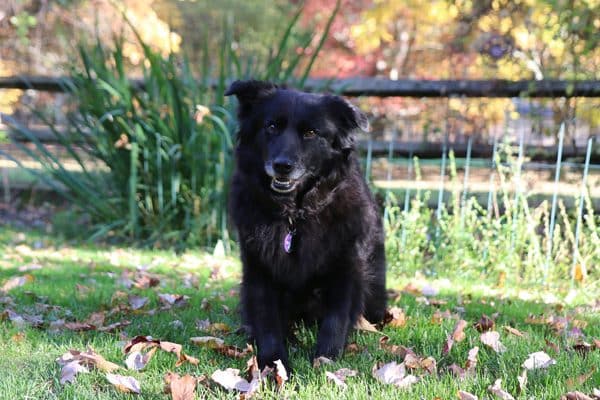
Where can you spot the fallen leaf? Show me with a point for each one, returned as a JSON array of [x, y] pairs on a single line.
[[79, 326], [126, 384], [114, 327], [317, 362], [339, 377], [582, 347], [16, 281], [492, 339], [462, 395], [137, 302], [91, 358], [513, 331], [96, 319], [472, 358], [230, 379], [394, 374], [398, 350], [484, 324], [177, 300], [363, 325], [522, 379], [29, 267], [208, 341], [538, 360], [581, 379], [575, 396], [281, 375], [70, 370], [181, 388], [458, 334], [395, 317], [137, 360], [496, 390]]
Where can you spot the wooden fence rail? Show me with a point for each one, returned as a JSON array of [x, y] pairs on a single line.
[[383, 87]]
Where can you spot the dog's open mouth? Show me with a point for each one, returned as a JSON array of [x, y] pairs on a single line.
[[283, 185]]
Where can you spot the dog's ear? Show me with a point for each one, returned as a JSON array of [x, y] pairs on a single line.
[[349, 117], [248, 92]]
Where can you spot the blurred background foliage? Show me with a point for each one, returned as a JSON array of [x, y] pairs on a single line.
[[418, 39]]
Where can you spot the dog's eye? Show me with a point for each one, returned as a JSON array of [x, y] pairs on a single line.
[[270, 127], [310, 133]]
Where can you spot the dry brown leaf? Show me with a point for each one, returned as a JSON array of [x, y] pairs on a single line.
[[462, 395], [394, 374], [496, 390], [210, 342], [581, 379], [484, 324], [339, 377], [79, 326], [492, 339], [181, 388], [91, 358], [472, 358], [140, 343], [457, 371], [395, 317], [363, 325], [113, 327], [513, 331], [582, 347], [522, 379], [137, 302], [70, 370], [538, 360], [317, 362], [137, 360], [458, 334], [177, 300], [16, 281], [398, 350], [217, 327], [596, 343], [126, 384], [448, 345], [353, 348], [575, 396], [96, 319], [281, 375], [230, 379]]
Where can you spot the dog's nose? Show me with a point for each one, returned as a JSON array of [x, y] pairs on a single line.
[[283, 165]]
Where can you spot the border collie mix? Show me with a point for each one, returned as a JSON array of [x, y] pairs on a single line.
[[310, 233]]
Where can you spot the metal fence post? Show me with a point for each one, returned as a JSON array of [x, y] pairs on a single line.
[[561, 136], [580, 212]]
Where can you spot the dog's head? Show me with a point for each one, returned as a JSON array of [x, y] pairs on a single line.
[[298, 135]]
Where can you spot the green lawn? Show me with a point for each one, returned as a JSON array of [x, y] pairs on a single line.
[[81, 280]]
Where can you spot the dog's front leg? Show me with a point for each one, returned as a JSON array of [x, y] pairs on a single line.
[[262, 312], [341, 302]]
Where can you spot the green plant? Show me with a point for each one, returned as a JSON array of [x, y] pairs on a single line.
[[509, 245], [155, 156]]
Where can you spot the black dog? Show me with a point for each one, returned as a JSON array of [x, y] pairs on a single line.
[[310, 232]]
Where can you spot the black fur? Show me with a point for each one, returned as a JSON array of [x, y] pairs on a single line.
[[335, 270]]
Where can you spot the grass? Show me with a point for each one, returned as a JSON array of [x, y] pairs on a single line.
[[27, 355]]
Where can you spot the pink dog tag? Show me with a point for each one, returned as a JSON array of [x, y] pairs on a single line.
[[287, 242]]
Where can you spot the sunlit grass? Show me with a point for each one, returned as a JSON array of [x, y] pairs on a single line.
[[84, 279]]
